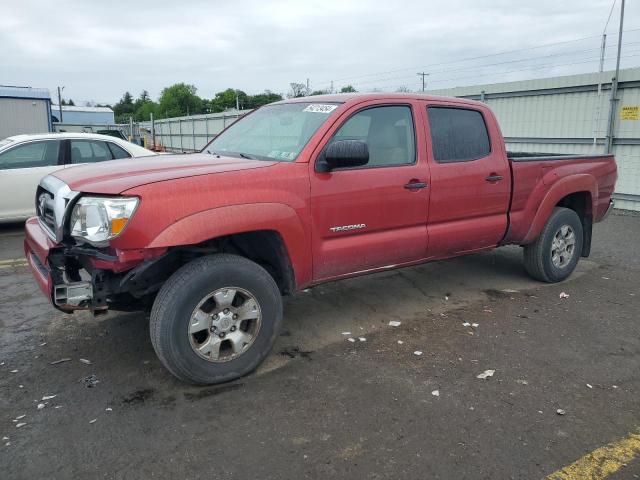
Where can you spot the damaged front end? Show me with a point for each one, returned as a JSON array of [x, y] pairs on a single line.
[[89, 278], [89, 275]]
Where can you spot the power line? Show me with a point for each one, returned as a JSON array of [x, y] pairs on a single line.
[[471, 58], [544, 67], [481, 66], [604, 30]]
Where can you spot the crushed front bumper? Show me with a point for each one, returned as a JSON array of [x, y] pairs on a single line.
[[66, 296], [76, 277]]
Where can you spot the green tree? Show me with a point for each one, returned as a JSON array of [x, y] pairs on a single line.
[[348, 89], [179, 100], [319, 92], [124, 108], [144, 106], [260, 99], [227, 99]]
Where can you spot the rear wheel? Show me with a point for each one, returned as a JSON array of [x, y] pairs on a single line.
[[555, 254], [216, 319]]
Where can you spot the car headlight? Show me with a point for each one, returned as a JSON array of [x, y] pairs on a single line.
[[97, 220]]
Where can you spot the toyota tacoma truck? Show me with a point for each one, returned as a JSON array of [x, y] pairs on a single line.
[[295, 194]]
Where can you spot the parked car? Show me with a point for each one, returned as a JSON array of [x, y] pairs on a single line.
[[25, 159], [113, 133], [297, 193]]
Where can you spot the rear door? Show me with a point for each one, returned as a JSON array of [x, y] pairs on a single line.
[[372, 216], [21, 169], [470, 179]]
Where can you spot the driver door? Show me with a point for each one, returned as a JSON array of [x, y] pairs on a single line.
[[373, 216]]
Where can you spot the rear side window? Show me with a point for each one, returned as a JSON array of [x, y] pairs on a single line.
[[30, 155], [118, 152], [458, 134], [89, 151]]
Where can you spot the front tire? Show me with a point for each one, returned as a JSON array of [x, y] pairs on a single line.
[[555, 254], [215, 319]]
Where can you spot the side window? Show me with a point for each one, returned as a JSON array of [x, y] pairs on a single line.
[[89, 151], [117, 151], [458, 134], [30, 155], [388, 132]]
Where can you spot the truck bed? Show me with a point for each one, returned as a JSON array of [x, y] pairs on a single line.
[[537, 156], [538, 176]]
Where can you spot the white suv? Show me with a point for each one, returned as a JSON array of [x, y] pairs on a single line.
[[25, 159]]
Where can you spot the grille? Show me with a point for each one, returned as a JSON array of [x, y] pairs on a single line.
[[53, 199], [45, 209]]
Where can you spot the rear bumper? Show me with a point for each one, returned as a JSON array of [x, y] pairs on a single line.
[[608, 211]]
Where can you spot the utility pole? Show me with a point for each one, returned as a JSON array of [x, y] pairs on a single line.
[[60, 102], [308, 86], [153, 130], [237, 105], [602, 48], [423, 75], [331, 86], [614, 86]]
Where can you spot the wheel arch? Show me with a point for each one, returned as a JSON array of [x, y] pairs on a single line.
[[270, 234], [577, 192]]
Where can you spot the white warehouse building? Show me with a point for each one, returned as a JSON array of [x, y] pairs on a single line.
[[570, 114], [24, 110]]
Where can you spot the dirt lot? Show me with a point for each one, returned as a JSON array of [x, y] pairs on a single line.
[[322, 407]]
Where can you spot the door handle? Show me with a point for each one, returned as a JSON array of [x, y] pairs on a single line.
[[415, 185], [493, 178]]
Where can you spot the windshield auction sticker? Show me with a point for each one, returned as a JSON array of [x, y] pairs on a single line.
[[320, 108]]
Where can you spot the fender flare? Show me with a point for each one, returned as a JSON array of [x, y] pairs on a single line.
[[559, 190], [233, 219]]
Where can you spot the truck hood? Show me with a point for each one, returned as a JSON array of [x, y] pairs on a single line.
[[116, 176]]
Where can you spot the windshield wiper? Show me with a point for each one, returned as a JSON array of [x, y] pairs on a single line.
[[244, 155]]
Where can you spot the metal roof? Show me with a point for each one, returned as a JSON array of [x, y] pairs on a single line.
[[24, 92], [582, 79], [74, 108]]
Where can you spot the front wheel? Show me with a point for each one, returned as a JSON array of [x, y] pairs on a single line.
[[216, 319], [555, 254]]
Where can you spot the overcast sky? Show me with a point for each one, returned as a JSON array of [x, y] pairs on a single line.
[[97, 50]]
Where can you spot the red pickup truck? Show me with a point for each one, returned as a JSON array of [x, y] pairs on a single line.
[[297, 193]]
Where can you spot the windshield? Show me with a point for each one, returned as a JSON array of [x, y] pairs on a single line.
[[274, 132]]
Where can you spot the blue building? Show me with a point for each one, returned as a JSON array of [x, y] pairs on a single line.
[[83, 115]]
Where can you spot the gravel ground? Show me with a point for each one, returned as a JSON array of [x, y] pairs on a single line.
[[322, 407]]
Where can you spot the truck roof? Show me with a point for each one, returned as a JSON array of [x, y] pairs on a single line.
[[361, 97]]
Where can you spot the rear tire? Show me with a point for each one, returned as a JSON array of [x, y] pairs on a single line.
[[215, 319], [555, 254]]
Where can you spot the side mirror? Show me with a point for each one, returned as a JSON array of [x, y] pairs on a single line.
[[344, 154]]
